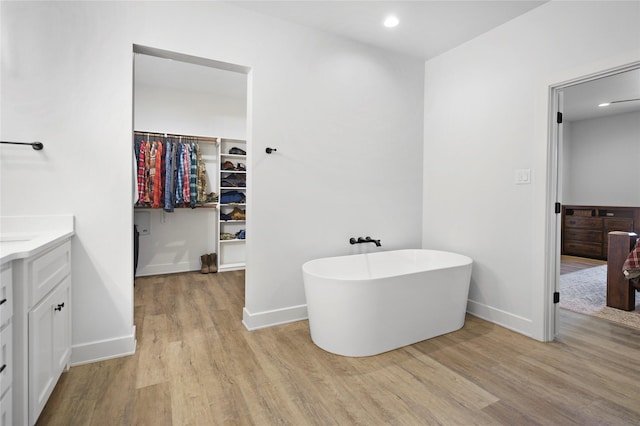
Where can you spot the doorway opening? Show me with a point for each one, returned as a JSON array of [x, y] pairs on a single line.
[[592, 155], [197, 104]]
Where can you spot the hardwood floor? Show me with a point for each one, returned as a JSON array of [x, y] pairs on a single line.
[[570, 264], [196, 364]]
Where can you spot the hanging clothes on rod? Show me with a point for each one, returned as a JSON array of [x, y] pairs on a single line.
[[170, 171]]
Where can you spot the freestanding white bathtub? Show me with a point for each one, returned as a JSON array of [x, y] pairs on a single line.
[[366, 304]]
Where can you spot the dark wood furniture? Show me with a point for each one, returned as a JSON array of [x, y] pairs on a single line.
[[620, 293], [585, 229]]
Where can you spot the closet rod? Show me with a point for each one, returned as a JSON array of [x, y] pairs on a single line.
[[168, 135], [35, 145]]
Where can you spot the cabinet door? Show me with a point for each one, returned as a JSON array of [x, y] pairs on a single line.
[[46, 271], [6, 359], [5, 410], [62, 328], [49, 346], [6, 294]]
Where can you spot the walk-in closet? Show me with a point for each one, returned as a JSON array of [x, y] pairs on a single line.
[[188, 116]]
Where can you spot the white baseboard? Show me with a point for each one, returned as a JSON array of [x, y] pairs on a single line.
[[167, 268], [103, 349], [502, 318], [255, 321]]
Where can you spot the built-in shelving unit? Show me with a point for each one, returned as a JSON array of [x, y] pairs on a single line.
[[232, 206]]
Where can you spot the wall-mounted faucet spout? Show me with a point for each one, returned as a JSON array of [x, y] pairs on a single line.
[[361, 240]]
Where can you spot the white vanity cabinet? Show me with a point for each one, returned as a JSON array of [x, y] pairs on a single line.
[[6, 344], [42, 292]]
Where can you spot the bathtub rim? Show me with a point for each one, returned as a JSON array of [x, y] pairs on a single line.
[[465, 261]]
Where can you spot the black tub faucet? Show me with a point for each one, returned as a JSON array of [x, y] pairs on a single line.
[[361, 240]]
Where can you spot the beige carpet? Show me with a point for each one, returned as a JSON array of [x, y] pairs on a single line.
[[585, 292]]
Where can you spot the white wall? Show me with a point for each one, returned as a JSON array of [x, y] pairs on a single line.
[[486, 115], [167, 110], [603, 161], [346, 120], [178, 239]]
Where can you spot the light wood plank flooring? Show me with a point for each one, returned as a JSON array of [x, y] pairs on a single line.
[[197, 365]]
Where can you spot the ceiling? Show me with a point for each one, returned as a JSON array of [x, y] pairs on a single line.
[[427, 29], [581, 100], [179, 75]]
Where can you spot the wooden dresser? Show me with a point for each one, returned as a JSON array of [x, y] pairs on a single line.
[[585, 228]]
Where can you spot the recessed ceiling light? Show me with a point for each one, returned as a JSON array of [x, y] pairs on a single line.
[[621, 101], [391, 21]]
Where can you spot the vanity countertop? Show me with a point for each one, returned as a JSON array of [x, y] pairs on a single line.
[[27, 236]]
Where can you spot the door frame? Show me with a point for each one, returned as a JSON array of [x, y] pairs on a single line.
[[551, 322], [213, 64]]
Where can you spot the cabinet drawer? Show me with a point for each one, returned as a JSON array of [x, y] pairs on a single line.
[[48, 270], [582, 249], [6, 295], [618, 224], [583, 222], [6, 357], [586, 235]]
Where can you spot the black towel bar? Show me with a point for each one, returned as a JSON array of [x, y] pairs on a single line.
[[35, 145]]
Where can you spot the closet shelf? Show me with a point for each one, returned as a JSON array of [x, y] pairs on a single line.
[[235, 240], [199, 206], [231, 221]]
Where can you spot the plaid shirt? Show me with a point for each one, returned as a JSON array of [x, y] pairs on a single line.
[[170, 150], [193, 178], [141, 172], [631, 267], [179, 174], [147, 163], [152, 170], [186, 193], [157, 179]]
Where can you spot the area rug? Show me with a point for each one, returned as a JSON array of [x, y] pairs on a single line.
[[585, 292]]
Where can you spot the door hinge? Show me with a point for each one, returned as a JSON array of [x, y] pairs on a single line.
[[556, 297], [558, 208], [559, 118]]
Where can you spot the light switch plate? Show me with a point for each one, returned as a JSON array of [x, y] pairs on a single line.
[[523, 176]]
